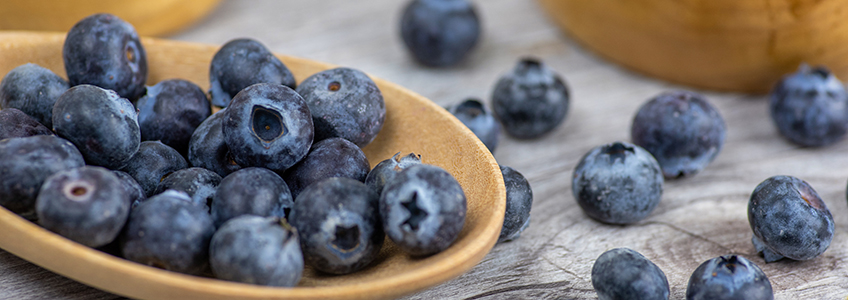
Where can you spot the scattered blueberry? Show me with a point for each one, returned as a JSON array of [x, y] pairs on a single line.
[[789, 219], [15, 123], [729, 277], [26, 162], [476, 117], [257, 250], [32, 89], [681, 130], [134, 192], [169, 232], [241, 63], [268, 125], [333, 157], [440, 33], [87, 205], [103, 126], [339, 225], [170, 112], [387, 169], [105, 51], [531, 100], [617, 183], [344, 103], [251, 191], [519, 199], [200, 184], [152, 163], [624, 274], [810, 107], [423, 209], [207, 148]]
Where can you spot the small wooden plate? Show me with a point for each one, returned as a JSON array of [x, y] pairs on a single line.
[[413, 124]]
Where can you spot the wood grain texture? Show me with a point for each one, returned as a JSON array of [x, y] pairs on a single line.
[[698, 218], [736, 45]]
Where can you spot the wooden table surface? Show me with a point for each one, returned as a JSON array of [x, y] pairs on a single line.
[[698, 218]]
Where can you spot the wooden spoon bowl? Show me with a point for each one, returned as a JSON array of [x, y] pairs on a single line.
[[413, 124], [732, 45]]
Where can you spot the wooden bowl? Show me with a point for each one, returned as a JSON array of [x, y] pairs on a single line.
[[149, 17], [732, 45], [413, 124]]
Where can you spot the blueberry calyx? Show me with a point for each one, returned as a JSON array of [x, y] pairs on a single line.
[[416, 213], [346, 238], [78, 191], [617, 151]]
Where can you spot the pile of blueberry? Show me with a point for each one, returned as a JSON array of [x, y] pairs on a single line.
[[274, 180]]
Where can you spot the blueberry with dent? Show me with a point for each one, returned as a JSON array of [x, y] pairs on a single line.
[[268, 125], [344, 103], [423, 209], [87, 205], [339, 225], [105, 51]]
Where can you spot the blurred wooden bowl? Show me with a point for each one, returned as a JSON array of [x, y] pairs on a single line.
[[149, 17], [413, 124], [730, 45]]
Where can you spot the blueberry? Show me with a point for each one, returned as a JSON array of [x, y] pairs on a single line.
[[344, 103], [339, 225], [622, 273], [251, 191], [207, 148], [531, 100], [423, 209], [387, 169], [789, 219], [728, 277], [169, 232], [439, 33], [135, 193], [257, 250], [171, 111], [519, 199], [810, 107], [617, 183], [105, 51], [25, 163], [15, 123], [241, 63], [334, 157], [152, 163], [103, 126], [200, 184], [32, 89], [268, 125], [87, 205], [476, 117], [681, 130]]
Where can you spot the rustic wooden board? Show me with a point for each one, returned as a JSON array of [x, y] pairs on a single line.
[[699, 217]]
